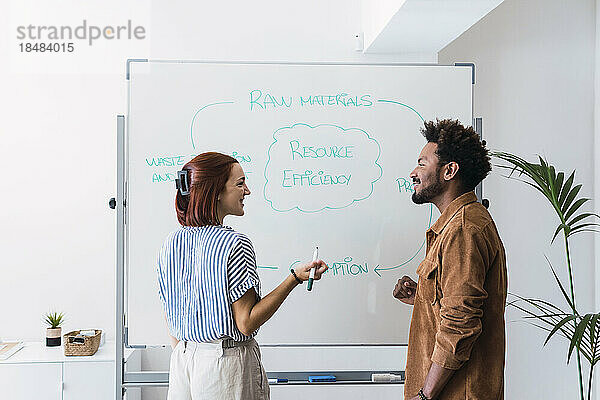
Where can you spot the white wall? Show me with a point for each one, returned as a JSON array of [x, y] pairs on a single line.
[[535, 92], [58, 132], [57, 156]]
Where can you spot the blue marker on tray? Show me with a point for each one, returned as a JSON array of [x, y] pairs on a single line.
[[321, 378], [275, 381]]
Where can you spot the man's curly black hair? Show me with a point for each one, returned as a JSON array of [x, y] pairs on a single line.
[[461, 145]]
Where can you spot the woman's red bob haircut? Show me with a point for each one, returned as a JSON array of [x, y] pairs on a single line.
[[207, 175]]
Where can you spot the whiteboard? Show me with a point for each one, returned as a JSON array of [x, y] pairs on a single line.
[[327, 150]]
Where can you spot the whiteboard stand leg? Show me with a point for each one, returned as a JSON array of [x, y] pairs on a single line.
[[478, 125], [120, 261]]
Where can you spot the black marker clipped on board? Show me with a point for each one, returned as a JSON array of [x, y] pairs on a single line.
[[182, 183]]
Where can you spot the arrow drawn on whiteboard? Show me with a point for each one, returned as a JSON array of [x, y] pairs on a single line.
[[377, 269], [194, 118], [403, 105], [294, 263]]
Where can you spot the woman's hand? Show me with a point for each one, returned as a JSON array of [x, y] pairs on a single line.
[[302, 272], [249, 315]]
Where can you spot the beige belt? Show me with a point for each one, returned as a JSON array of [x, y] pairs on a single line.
[[225, 343]]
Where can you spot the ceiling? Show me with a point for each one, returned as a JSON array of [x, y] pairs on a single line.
[[427, 26]]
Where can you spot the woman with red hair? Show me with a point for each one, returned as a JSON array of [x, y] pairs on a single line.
[[210, 288]]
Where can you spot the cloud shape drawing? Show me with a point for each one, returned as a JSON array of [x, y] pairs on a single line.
[[313, 168]]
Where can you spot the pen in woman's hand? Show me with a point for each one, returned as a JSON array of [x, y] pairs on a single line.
[[311, 276]]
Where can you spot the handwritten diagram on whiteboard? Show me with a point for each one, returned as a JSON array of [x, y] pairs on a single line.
[[327, 151]]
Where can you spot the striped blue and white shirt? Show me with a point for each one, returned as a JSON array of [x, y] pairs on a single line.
[[201, 272]]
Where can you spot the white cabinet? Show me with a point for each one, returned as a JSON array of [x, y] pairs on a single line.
[[88, 380], [31, 381], [44, 373]]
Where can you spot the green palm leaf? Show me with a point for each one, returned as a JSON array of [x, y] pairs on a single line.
[[560, 227], [546, 313], [579, 331], [588, 340], [592, 339], [570, 197], [540, 174], [580, 217], [563, 197], [579, 228], [559, 181], [574, 208], [558, 326], [562, 289], [566, 188]]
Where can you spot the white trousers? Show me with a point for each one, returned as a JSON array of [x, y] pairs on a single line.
[[207, 371]]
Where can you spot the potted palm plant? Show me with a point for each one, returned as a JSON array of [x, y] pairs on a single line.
[[54, 321], [582, 331]]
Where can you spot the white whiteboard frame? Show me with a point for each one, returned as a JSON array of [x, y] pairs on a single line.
[[151, 378]]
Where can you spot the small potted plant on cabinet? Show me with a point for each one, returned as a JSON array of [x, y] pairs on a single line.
[[54, 331]]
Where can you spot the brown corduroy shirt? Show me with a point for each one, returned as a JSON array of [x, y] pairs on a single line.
[[458, 315]]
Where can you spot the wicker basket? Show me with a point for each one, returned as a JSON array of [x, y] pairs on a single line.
[[89, 347]]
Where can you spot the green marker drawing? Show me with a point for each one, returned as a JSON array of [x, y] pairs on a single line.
[[267, 267], [194, 118]]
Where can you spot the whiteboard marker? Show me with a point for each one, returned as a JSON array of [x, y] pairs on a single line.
[[311, 275], [275, 381], [386, 378]]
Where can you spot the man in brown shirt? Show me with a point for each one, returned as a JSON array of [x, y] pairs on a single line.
[[456, 342]]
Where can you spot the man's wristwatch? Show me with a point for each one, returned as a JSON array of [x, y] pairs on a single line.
[[422, 395]]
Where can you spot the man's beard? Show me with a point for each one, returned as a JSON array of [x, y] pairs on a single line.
[[428, 193]]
